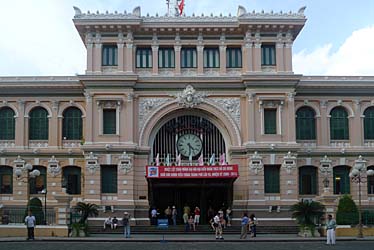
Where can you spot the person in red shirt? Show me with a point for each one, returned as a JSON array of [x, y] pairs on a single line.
[[197, 216]]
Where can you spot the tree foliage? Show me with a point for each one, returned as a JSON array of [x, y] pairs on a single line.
[[307, 213], [86, 210], [347, 213], [36, 207]]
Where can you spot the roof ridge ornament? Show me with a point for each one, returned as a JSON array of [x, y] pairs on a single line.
[[301, 10], [241, 11], [78, 12]]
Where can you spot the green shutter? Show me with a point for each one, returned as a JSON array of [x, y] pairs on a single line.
[[38, 183], [268, 55], [188, 58], [110, 121], [109, 179], [233, 58], [270, 121], [307, 180], [370, 182], [72, 124], [6, 180], [72, 179], [305, 124], [110, 55], [7, 124], [38, 124], [144, 58], [339, 129], [271, 174], [211, 58], [369, 124], [341, 180]]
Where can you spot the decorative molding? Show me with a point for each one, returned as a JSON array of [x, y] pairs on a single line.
[[147, 106], [325, 166], [189, 97], [231, 105], [7, 144], [38, 144], [92, 163], [19, 163], [53, 166], [256, 163], [125, 163], [289, 162], [109, 104]]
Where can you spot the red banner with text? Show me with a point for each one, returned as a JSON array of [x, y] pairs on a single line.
[[224, 171]]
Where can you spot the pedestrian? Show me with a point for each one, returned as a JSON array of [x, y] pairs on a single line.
[[228, 216], [126, 224], [108, 223], [253, 225], [244, 227], [174, 214], [185, 221], [191, 223], [331, 226], [30, 222], [222, 218], [210, 213], [197, 216], [186, 209], [218, 226], [114, 222], [168, 214], [153, 216]]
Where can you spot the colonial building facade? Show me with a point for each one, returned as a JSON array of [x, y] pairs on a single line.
[[197, 110]]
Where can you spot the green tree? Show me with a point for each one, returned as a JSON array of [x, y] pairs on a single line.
[[86, 210], [307, 214], [347, 213], [36, 207]]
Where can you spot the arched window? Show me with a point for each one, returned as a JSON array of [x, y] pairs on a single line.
[[38, 124], [371, 182], [307, 180], [305, 124], [7, 124], [341, 180], [369, 124], [71, 179], [72, 124], [339, 129], [38, 183], [6, 180]]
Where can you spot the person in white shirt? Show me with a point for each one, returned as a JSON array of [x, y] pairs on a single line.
[[30, 222], [217, 224], [108, 223]]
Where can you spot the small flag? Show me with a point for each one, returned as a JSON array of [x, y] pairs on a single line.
[[222, 159], [201, 160], [158, 160], [181, 7], [178, 160], [167, 160], [212, 159]]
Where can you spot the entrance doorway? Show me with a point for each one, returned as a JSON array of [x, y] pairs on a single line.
[[204, 193]]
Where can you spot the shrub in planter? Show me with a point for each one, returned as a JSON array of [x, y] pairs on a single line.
[[347, 213], [36, 207]]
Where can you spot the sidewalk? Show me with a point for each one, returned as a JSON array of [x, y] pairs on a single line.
[[184, 238]]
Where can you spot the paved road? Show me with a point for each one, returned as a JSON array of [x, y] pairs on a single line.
[[352, 245]]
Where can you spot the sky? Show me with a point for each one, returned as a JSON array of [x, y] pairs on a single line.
[[38, 37]]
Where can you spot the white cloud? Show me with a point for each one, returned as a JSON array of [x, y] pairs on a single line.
[[354, 57]]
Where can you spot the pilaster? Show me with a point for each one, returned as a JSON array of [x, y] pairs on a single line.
[[222, 55], [288, 53], [357, 138], [291, 127], [97, 55], [121, 52], [90, 45], [20, 125], [279, 53], [53, 125], [257, 53], [323, 139]]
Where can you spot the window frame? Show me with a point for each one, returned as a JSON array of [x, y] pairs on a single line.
[[38, 126], [268, 55], [72, 171], [270, 130], [188, 60], [166, 53], [32, 182], [339, 126], [111, 188], [109, 55], [141, 54], [211, 58], [344, 181], [234, 58], [306, 124], [72, 124], [312, 172], [272, 179], [111, 130], [369, 123], [6, 171], [7, 124]]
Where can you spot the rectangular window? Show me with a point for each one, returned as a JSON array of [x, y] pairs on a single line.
[[233, 58], [144, 58], [6, 186], [271, 174], [188, 58], [211, 58], [109, 121], [109, 179], [268, 55], [110, 55], [166, 58], [270, 121]]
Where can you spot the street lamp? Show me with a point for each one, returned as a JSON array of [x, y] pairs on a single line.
[[44, 191], [25, 179], [359, 175]]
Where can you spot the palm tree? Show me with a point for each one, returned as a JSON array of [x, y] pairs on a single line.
[[86, 210], [307, 213]]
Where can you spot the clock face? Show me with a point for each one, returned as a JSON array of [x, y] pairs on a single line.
[[189, 144]]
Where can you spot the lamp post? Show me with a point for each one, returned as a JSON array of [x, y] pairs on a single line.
[[44, 191], [359, 175], [30, 174]]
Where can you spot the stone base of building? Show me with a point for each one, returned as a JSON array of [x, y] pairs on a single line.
[[40, 231]]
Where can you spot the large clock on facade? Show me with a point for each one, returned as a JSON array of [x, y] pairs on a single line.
[[189, 144]]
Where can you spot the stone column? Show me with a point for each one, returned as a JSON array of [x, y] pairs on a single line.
[[257, 54], [63, 209], [279, 53], [222, 59], [89, 42], [129, 55], [177, 50], [97, 55], [155, 59], [53, 126], [200, 59], [121, 53], [288, 53], [20, 139], [247, 53], [251, 117], [323, 138]]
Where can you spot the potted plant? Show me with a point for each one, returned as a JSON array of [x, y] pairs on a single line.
[[307, 213], [86, 210]]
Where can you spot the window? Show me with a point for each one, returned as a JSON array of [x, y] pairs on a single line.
[[6, 180], [305, 124], [307, 180], [110, 55], [188, 58], [211, 58], [144, 58], [109, 116], [339, 124], [38, 124], [233, 58], [72, 124], [370, 182], [166, 58], [369, 124], [71, 179], [7, 124], [38, 183], [270, 121], [109, 179], [341, 180], [268, 55], [271, 173]]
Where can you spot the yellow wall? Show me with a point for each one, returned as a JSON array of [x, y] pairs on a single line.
[[40, 231]]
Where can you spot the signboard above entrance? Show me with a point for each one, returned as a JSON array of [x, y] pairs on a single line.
[[224, 171]]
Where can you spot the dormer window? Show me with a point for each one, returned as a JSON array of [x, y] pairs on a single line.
[[110, 55], [268, 55]]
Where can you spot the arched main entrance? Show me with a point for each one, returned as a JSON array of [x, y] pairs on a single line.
[[194, 143]]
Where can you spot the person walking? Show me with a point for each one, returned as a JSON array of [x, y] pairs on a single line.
[[244, 227], [253, 225], [174, 214], [185, 221], [168, 214], [218, 226], [331, 226], [197, 216], [126, 224], [30, 222], [153, 216], [228, 216]]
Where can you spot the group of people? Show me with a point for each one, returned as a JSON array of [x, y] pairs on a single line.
[[191, 220], [113, 223], [248, 224]]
